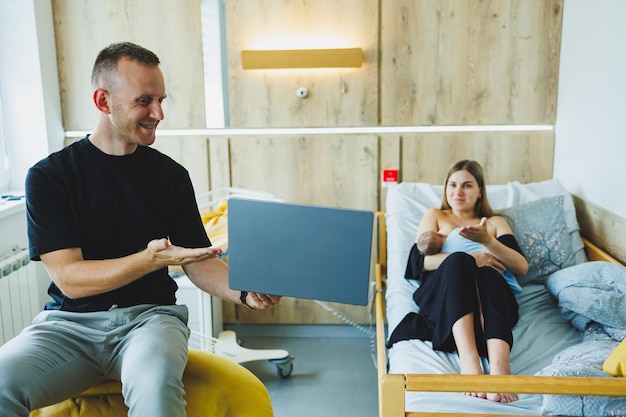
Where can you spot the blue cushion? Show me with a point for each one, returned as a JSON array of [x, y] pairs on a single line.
[[541, 231]]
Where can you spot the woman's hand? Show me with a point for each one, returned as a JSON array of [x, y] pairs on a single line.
[[477, 232], [488, 237], [487, 259]]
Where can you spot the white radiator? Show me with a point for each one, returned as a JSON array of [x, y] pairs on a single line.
[[19, 302]]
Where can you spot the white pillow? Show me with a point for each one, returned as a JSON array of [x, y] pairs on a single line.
[[408, 201]]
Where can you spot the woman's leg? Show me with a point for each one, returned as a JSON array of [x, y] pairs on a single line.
[[500, 313], [450, 302], [448, 295], [499, 364], [464, 335]]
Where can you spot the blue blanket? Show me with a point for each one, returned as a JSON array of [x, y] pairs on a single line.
[[592, 292], [592, 296]]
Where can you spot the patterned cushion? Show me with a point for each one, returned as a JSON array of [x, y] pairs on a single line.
[[541, 231]]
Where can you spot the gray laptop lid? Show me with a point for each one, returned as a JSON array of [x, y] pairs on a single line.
[[302, 251]]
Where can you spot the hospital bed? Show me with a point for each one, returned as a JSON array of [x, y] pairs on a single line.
[[557, 367]]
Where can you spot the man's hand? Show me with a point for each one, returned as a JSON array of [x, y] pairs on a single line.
[[262, 301], [167, 254]]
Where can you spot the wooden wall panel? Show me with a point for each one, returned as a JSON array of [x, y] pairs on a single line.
[[295, 311], [448, 62], [345, 172], [390, 158], [442, 62], [340, 171], [505, 156], [170, 29], [191, 152], [321, 170], [604, 228], [337, 96], [219, 162]]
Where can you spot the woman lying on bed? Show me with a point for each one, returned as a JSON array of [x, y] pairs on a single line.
[[465, 303]]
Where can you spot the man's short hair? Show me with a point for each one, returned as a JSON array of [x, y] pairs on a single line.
[[107, 59]]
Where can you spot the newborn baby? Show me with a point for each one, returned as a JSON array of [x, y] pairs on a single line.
[[431, 242]]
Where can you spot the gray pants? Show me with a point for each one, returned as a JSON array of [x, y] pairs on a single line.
[[62, 353]]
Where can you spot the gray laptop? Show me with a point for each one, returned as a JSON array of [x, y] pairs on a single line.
[[297, 250]]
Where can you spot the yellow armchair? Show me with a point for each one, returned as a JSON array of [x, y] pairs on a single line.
[[214, 386]]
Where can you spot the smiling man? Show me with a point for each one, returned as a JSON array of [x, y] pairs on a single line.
[[106, 216], [129, 92]]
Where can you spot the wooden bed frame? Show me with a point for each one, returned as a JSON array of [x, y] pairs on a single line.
[[393, 387]]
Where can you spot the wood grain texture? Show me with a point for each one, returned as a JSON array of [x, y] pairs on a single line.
[[392, 388], [192, 153], [390, 158], [379, 302], [219, 162], [337, 96], [445, 62], [606, 229], [340, 171], [519, 384], [595, 253], [505, 156], [83, 28], [426, 62], [333, 171]]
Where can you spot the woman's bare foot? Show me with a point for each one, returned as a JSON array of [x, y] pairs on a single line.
[[501, 398], [469, 361], [499, 364], [471, 366]]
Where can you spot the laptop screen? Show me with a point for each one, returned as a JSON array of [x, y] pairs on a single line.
[[297, 250]]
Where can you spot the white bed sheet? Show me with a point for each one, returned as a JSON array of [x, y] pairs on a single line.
[[540, 334]]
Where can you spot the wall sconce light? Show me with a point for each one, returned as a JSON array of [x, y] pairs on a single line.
[[302, 58]]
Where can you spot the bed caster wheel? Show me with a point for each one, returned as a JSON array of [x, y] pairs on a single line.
[[284, 371], [284, 367]]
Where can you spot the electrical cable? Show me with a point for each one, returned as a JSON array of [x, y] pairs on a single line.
[[367, 330]]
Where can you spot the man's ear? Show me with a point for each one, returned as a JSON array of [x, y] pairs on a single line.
[[101, 100]]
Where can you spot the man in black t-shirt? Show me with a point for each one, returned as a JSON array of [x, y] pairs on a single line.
[[107, 215]]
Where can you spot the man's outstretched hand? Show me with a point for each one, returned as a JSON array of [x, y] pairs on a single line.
[[167, 254]]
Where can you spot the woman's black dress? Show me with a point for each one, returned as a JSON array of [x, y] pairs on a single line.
[[458, 287]]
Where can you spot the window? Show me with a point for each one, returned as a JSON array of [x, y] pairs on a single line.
[[215, 81], [4, 155]]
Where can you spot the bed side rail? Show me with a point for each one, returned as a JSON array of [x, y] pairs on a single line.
[[595, 253], [394, 387], [379, 303]]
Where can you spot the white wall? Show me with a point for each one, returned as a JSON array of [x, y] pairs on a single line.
[[12, 228], [30, 92], [590, 154], [29, 84]]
